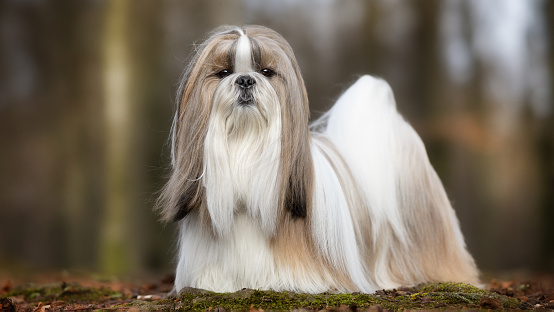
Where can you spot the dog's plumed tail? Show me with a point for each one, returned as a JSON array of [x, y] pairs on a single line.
[[413, 234]]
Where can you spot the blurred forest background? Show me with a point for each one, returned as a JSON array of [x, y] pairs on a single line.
[[86, 97]]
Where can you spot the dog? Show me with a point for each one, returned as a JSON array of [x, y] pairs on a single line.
[[265, 201]]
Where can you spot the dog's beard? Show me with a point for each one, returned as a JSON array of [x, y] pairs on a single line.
[[241, 155]]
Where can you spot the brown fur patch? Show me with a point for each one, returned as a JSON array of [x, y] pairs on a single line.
[[295, 252]]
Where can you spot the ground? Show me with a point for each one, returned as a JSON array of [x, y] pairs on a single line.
[[72, 293]]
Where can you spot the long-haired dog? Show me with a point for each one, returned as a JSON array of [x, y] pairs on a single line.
[[264, 201]]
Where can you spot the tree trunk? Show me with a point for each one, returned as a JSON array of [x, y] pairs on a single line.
[[115, 248]]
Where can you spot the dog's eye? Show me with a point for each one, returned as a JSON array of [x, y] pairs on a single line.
[[224, 73], [267, 72]]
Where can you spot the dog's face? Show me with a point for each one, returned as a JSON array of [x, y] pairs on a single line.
[[246, 84], [242, 84], [245, 72]]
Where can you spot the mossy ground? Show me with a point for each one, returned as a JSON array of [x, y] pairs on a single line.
[[442, 296], [59, 297], [434, 296], [72, 292]]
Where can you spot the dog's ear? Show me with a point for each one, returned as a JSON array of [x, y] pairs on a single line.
[[297, 168], [296, 158], [298, 194], [183, 207], [184, 191], [191, 198]]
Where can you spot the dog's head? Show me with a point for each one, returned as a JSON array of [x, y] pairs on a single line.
[[243, 84]]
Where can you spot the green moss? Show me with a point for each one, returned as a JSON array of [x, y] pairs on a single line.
[[467, 295], [507, 302], [453, 288], [191, 299], [61, 291], [451, 298], [434, 296], [31, 291]]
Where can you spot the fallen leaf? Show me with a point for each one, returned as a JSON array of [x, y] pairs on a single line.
[[7, 287]]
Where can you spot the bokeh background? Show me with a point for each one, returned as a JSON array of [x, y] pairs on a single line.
[[86, 97]]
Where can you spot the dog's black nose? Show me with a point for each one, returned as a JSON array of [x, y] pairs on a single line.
[[245, 82]]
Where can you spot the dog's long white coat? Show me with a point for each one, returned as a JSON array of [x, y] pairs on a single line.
[[369, 134]]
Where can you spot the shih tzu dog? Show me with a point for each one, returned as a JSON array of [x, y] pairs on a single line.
[[263, 201]]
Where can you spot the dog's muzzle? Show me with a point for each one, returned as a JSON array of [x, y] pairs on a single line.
[[245, 84]]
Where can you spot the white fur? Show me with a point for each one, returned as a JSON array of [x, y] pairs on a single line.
[[332, 222], [241, 157], [372, 137], [243, 59], [242, 258], [224, 263], [364, 126]]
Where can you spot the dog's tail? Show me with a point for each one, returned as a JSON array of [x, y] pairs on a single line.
[[415, 235]]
